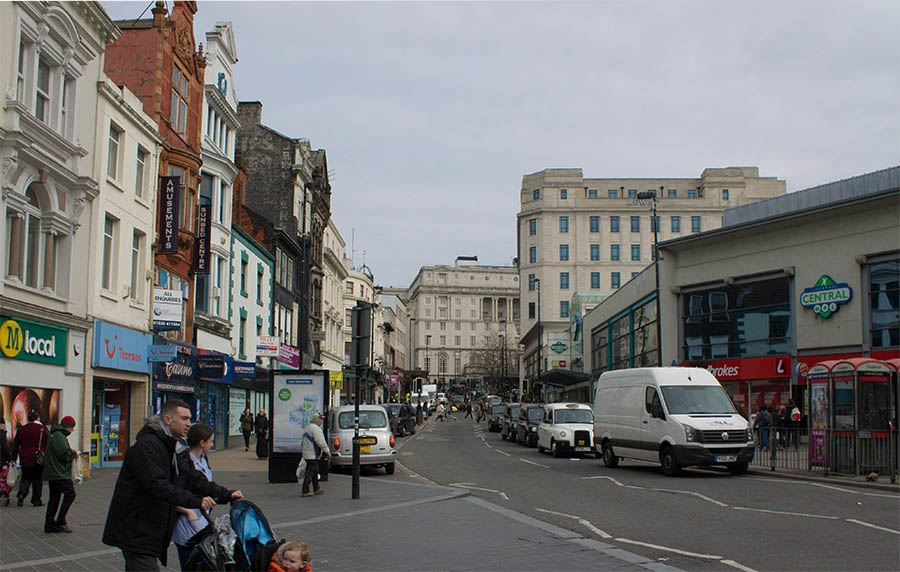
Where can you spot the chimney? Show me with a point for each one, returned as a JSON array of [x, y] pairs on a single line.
[[159, 14], [251, 110]]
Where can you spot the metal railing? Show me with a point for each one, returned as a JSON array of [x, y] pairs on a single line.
[[824, 451]]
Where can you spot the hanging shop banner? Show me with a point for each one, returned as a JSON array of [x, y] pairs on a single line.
[[201, 257], [295, 398], [168, 214], [161, 352], [116, 347], [336, 379], [167, 306], [32, 341], [215, 367], [289, 355], [267, 346], [244, 369]]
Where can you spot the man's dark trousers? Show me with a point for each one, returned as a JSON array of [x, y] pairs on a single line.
[[310, 477], [59, 488], [140, 562]]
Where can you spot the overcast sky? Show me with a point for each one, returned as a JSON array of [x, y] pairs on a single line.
[[431, 112]]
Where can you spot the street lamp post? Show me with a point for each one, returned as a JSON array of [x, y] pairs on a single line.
[[654, 225], [503, 365], [537, 284]]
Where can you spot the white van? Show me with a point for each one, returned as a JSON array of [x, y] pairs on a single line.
[[679, 416], [566, 428]]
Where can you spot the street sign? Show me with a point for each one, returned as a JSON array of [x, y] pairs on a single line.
[[317, 336]]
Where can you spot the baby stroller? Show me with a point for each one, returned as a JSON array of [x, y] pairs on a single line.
[[243, 541], [5, 489]]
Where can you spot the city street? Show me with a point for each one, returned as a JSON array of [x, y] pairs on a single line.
[[703, 520]]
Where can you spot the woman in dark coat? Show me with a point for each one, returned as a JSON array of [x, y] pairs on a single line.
[[262, 435], [247, 427], [30, 438]]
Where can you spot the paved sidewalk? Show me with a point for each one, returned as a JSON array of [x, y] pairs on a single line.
[[396, 525]]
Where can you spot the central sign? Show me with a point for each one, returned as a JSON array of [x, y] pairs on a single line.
[[826, 296], [559, 347]]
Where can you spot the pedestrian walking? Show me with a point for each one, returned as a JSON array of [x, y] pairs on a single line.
[[30, 446], [794, 424], [440, 412], [58, 474], [468, 410], [764, 425], [151, 484], [313, 448], [262, 435], [247, 423], [200, 439]]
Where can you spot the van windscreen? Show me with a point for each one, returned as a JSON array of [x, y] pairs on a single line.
[[697, 399]]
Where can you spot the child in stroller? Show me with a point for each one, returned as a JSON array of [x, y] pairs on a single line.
[[5, 463], [242, 541], [291, 557]]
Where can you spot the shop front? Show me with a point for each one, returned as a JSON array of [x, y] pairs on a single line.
[[175, 375], [754, 382], [119, 379], [215, 375], [241, 395]]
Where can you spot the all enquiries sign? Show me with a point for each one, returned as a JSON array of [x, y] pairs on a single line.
[[32, 341], [826, 297]]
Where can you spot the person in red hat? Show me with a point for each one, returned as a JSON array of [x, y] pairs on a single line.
[[58, 474]]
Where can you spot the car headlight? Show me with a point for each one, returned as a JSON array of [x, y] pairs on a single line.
[[562, 434], [533, 429], [691, 435], [749, 434]]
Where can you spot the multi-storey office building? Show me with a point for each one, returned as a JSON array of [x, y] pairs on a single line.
[[394, 321], [334, 274], [590, 236], [461, 319]]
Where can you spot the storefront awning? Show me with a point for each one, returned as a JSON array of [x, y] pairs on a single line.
[[562, 377]]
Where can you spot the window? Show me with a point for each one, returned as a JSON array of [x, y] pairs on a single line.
[[530, 310], [185, 197], [536, 194], [472, 341], [633, 274], [563, 280], [457, 326], [456, 341], [201, 294], [137, 265], [221, 200], [563, 194], [180, 98], [635, 224], [613, 224], [564, 309], [884, 296], [532, 254], [592, 193], [632, 193], [42, 96], [259, 285], [242, 341], [29, 249], [595, 224], [218, 294], [724, 194], [635, 251], [20, 73], [348, 318], [140, 175], [676, 224], [692, 193], [443, 326], [695, 224], [109, 236], [563, 252], [443, 340], [615, 280], [672, 193], [613, 193], [349, 287], [595, 252], [595, 280], [65, 88], [613, 251], [112, 155], [563, 224], [457, 313], [243, 278], [472, 313]]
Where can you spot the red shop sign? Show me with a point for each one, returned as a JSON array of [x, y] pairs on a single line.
[[769, 367]]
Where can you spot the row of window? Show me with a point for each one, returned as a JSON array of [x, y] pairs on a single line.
[[216, 192], [631, 194], [457, 341], [115, 158], [218, 131], [615, 281], [109, 268], [615, 224], [45, 87]]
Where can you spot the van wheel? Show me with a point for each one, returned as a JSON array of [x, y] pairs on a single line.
[[609, 456], [669, 463], [540, 448], [554, 449], [389, 469], [738, 468]]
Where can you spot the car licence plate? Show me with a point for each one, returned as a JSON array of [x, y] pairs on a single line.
[[366, 449], [726, 458], [582, 449], [581, 441]]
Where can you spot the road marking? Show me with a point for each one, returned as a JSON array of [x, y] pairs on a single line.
[[634, 487], [698, 495], [834, 488], [557, 513], [464, 486], [876, 527], [738, 565], [488, 446], [604, 477], [669, 549], [504, 496], [594, 529], [786, 513], [503, 452], [533, 463]]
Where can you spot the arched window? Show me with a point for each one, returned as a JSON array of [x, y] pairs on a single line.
[[31, 253], [442, 364]]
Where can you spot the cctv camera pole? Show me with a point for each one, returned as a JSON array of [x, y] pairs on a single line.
[[654, 224]]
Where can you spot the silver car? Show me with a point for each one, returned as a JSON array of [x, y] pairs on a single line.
[[377, 446]]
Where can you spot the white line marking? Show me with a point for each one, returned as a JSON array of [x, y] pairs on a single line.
[[504, 496], [488, 446], [698, 495], [593, 528], [876, 527], [634, 487], [557, 513], [738, 565], [503, 452], [476, 488], [786, 513], [834, 488], [668, 549], [604, 477], [533, 463]]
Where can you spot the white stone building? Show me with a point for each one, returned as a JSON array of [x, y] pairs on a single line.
[[360, 286], [335, 274]]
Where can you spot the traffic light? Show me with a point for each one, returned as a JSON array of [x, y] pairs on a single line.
[[361, 323]]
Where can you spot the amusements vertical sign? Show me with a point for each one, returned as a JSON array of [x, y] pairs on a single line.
[[201, 260], [168, 214]]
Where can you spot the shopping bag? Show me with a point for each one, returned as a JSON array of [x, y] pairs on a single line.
[[78, 469], [12, 477], [301, 471]]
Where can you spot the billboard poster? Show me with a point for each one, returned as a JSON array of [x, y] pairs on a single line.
[[168, 214], [267, 346], [289, 355], [818, 443], [296, 396], [201, 258], [237, 402], [17, 401], [167, 306]]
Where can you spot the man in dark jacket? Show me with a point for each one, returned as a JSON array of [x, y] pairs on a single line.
[[58, 474], [30, 438], [151, 484]]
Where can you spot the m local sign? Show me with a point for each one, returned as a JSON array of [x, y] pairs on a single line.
[[826, 296], [32, 341]]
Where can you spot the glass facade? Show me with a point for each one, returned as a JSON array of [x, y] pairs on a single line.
[[884, 299], [628, 340]]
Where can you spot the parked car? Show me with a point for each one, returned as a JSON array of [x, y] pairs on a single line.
[[403, 419], [508, 421], [377, 443], [566, 428], [678, 416], [526, 428], [493, 416]]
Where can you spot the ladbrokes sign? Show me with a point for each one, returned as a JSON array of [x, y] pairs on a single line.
[[32, 341]]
